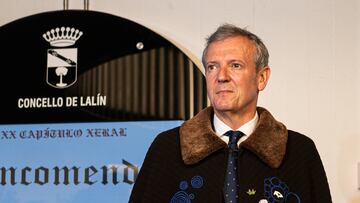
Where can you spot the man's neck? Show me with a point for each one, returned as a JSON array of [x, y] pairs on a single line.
[[235, 119]]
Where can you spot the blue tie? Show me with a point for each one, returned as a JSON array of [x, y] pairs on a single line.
[[231, 185]]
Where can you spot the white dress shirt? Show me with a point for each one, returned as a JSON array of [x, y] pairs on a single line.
[[221, 128]]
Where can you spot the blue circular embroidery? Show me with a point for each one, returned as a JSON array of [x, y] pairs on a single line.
[[197, 182], [277, 191], [181, 197], [183, 185], [292, 197]]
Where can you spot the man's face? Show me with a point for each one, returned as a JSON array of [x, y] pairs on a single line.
[[231, 77]]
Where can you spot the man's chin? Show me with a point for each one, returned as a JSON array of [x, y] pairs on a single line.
[[222, 108]]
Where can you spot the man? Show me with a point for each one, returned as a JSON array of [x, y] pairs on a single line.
[[272, 164]]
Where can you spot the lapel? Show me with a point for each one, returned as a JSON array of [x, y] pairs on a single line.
[[198, 139]]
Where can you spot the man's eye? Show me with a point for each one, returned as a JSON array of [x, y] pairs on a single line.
[[235, 65], [211, 67]]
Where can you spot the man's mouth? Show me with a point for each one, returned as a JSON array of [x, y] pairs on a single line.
[[223, 91]]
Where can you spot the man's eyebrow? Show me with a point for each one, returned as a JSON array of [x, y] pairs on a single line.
[[235, 60], [211, 62]]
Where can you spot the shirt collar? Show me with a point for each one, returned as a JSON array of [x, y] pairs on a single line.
[[221, 128]]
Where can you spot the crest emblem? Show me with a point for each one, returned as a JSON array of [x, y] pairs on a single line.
[[61, 71], [251, 192], [277, 191]]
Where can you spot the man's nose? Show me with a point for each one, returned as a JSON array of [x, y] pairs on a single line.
[[223, 74]]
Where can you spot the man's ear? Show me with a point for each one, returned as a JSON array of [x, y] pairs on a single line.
[[263, 76]]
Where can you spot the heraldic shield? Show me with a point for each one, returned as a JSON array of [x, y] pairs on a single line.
[[61, 67]]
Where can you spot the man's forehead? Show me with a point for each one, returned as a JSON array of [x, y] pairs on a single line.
[[240, 46]]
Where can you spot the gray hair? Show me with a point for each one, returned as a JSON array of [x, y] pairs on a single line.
[[227, 30]]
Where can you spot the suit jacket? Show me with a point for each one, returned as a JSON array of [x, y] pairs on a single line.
[[188, 164]]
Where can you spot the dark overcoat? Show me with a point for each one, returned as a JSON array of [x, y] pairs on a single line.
[[187, 164]]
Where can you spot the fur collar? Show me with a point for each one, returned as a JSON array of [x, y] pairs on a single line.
[[268, 141]]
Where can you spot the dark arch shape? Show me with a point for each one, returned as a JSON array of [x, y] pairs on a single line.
[[142, 75]]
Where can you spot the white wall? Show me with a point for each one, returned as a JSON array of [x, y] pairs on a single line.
[[314, 54]]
